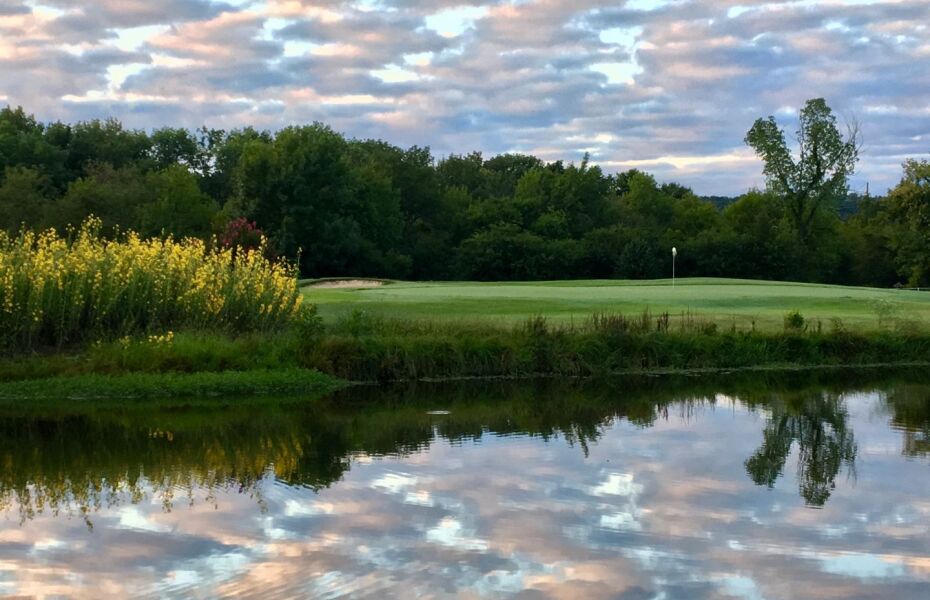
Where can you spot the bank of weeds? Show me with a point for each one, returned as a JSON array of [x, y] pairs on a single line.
[[362, 347]]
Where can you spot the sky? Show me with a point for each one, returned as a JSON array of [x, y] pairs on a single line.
[[667, 86]]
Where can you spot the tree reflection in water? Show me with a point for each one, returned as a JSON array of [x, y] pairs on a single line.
[[909, 407], [817, 422], [76, 463]]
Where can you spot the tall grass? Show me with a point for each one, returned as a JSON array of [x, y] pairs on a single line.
[[57, 290]]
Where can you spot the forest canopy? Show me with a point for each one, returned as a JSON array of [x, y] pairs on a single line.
[[350, 207]]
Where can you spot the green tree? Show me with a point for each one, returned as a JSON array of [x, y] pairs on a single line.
[[763, 244], [94, 142], [867, 238], [303, 189], [113, 195], [818, 179], [24, 196], [176, 205], [909, 204], [174, 146]]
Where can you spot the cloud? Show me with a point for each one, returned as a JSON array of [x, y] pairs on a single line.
[[504, 513], [669, 85]]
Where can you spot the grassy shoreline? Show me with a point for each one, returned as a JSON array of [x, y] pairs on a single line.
[[170, 385], [318, 358]]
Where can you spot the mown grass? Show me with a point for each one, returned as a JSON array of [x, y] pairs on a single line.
[[727, 302]]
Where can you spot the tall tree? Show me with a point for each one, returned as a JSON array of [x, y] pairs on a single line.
[[818, 178], [910, 210]]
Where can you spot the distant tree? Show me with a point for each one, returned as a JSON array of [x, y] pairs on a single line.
[[867, 239], [640, 259], [818, 179], [174, 146], [175, 205], [304, 190], [24, 196], [763, 246], [909, 204], [106, 142], [465, 171], [24, 142], [113, 195]]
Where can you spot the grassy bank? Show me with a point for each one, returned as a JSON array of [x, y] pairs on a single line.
[[370, 349], [366, 348], [290, 381]]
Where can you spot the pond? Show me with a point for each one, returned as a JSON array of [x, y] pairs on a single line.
[[740, 486]]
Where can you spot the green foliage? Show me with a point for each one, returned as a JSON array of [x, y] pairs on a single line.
[[24, 197], [910, 212], [368, 208], [811, 188], [818, 179], [794, 321]]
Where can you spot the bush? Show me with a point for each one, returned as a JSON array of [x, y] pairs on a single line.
[[794, 321], [55, 291]]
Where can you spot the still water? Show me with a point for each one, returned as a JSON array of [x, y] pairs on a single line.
[[814, 486]]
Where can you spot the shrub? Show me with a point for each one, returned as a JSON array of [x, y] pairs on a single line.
[[55, 290], [794, 321]]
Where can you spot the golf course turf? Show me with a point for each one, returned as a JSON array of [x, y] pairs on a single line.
[[727, 302]]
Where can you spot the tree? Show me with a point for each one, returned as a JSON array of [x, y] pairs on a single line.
[[305, 192], [819, 425], [818, 179], [95, 142], [763, 244], [23, 198], [113, 195], [176, 205], [174, 146], [910, 211]]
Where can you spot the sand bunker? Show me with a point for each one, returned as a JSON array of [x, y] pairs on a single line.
[[347, 283]]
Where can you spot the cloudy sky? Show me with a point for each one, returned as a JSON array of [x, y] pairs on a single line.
[[669, 86]]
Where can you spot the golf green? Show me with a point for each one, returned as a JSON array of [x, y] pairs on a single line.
[[724, 301]]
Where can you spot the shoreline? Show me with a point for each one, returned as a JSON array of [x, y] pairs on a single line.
[[184, 388]]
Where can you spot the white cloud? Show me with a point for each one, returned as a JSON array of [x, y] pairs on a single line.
[[664, 85]]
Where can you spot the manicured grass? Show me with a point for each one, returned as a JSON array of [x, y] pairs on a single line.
[[727, 302]]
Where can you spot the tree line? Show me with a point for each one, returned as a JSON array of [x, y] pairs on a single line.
[[365, 207]]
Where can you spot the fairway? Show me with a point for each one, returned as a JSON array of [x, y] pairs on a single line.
[[725, 301]]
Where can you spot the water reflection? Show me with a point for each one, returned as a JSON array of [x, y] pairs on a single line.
[[687, 488], [817, 423]]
